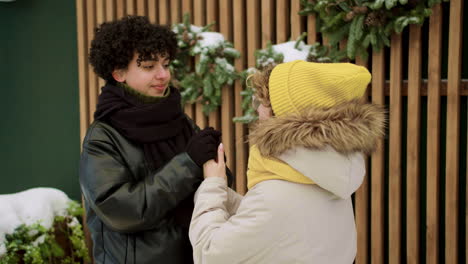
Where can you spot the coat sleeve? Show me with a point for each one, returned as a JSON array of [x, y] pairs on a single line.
[[218, 237], [126, 205], [234, 200]]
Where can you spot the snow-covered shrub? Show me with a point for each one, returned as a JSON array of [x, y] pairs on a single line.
[[203, 81], [40, 225]]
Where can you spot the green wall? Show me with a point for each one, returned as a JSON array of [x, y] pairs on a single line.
[[39, 135]]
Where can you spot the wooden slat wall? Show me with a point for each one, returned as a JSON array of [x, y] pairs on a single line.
[[212, 12], [413, 209], [395, 155], [227, 107], [453, 132], [240, 43], [361, 205], [383, 209], [378, 165], [433, 135]]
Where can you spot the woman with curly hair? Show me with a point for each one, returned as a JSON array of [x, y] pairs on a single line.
[[142, 157], [305, 161]]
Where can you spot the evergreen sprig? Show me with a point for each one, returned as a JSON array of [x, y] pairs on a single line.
[[203, 81], [365, 23], [35, 244]]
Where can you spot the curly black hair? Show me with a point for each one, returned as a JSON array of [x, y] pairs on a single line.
[[115, 44]]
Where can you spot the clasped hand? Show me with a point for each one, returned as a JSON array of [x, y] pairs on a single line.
[[212, 168]]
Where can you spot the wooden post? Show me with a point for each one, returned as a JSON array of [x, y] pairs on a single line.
[[378, 165], [239, 8], [361, 207], [227, 107], [453, 132], [282, 21], [413, 182], [433, 135], [395, 191]]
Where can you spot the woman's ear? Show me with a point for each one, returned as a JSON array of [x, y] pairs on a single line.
[[119, 75]]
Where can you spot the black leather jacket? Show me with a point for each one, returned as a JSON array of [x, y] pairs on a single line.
[[131, 211]]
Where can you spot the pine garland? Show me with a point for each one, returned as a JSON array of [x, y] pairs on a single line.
[[202, 83], [363, 22]]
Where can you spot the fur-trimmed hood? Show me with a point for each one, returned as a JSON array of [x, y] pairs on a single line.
[[350, 127]]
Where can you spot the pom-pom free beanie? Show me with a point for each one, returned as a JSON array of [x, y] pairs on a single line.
[[298, 84]]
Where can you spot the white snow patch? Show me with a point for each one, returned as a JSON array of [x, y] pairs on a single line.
[[222, 62], [252, 70], [2, 249], [29, 207], [210, 39], [39, 240], [74, 222], [195, 29], [290, 53], [264, 63]]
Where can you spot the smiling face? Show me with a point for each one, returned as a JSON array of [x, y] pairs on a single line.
[[149, 77]]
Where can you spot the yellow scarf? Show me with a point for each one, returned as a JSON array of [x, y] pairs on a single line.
[[261, 169]]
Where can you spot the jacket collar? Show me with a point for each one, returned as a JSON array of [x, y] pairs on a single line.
[[354, 126]]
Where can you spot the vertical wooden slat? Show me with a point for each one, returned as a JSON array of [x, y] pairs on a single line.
[[311, 29], [253, 43], [175, 11], [100, 18], [378, 165], [296, 24], [164, 12], [130, 7], [253, 30], [453, 131], [141, 8], [282, 21], [81, 21], [361, 205], [110, 10], [82, 67], [120, 10], [212, 16], [189, 111], [199, 20], [100, 11], [413, 136], [187, 8], [239, 17], [325, 41], [433, 135], [267, 22], [227, 107], [343, 43], [395, 150], [92, 78], [152, 10]]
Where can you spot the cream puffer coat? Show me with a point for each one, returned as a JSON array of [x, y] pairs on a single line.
[[285, 222]]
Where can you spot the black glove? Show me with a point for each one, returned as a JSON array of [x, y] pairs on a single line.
[[203, 146]]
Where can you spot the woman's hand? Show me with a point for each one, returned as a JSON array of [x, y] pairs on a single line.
[[212, 168]]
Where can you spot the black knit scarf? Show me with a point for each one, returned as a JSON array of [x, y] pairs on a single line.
[[161, 128]]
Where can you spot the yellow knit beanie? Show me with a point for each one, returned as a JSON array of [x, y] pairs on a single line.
[[298, 84]]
